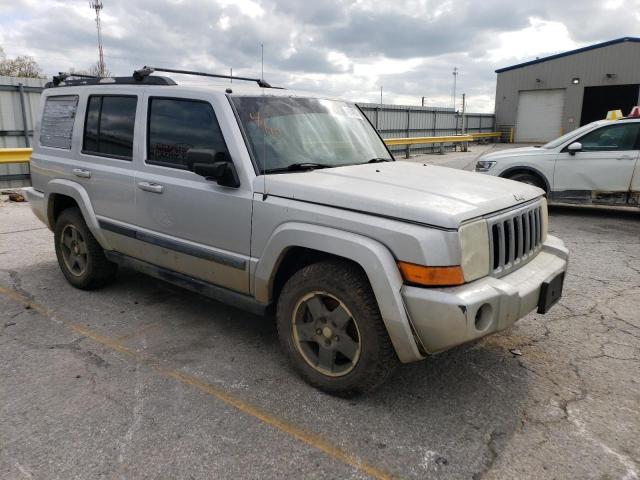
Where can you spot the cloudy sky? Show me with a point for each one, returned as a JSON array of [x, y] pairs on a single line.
[[346, 48]]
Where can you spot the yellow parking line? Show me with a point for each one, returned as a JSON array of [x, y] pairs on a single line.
[[139, 331], [298, 433]]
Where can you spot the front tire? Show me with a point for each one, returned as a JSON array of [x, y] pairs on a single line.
[[331, 330], [529, 179], [80, 256]]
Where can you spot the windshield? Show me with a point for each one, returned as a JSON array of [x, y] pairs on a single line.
[[287, 131], [573, 133]]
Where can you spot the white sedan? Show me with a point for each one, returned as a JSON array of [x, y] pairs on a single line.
[[596, 163]]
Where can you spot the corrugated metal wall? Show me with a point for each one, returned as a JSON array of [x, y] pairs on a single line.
[[400, 121], [392, 121], [12, 123]]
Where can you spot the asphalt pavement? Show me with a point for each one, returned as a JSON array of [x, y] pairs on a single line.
[[144, 380]]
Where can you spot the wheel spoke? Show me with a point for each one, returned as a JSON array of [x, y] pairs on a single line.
[[82, 248], [74, 234], [316, 308], [306, 332], [347, 347], [326, 357], [340, 317], [81, 260]]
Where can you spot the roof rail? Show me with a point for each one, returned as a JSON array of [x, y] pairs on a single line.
[[147, 71], [62, 80]]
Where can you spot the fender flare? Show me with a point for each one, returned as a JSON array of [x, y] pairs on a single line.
[[533, 170], [374, 258], [80, 195]]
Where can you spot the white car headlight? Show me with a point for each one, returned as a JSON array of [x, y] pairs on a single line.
[[484, 165], [474, 248]]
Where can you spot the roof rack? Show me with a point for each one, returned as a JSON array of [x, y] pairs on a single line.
[[62, 80], [145, 72]]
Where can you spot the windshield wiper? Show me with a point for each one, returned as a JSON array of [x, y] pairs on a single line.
[[299, 167], [379, 160]]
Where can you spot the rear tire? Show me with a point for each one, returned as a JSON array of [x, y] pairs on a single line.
[[80, 256], [529, 179], [331, 329]]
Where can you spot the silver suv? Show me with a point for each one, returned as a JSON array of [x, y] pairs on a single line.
[[286, 203]]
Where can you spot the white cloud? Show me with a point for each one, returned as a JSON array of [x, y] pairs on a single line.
[[343, 48]]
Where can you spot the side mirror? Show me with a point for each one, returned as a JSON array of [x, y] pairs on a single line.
[[222, 172], [212, 165], [574, 148]]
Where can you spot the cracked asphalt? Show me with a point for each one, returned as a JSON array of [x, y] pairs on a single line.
[[144, 380]]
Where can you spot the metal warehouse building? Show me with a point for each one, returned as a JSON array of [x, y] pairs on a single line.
[[547, 97]]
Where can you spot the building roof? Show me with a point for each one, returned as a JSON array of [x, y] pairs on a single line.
[[570, 52]]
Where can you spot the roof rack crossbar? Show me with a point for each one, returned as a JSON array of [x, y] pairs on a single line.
[[146, 71], [62, 76]]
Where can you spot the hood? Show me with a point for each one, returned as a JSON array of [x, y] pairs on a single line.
[[438, 196], [516, 152]]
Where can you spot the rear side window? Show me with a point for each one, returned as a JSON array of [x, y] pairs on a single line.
[[612, 138], [109, 124], [57, 121], [176, 126]]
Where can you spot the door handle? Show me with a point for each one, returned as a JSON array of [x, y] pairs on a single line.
[[150, 187], [82, 173]]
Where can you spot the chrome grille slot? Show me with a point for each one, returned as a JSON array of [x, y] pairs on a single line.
[[515, 237]]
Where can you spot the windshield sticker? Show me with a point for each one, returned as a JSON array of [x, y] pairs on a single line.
[[262, 125], [351, 112]]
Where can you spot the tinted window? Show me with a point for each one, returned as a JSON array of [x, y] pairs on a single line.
[[175, 126], [58, 117], [91, 124], [109, 125], [612, 138]]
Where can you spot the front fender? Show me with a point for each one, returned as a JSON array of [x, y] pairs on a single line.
[[375, 259], [80, 195]]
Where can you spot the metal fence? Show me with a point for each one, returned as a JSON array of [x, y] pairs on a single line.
[[402, 121], [20, 100], [19, 106]]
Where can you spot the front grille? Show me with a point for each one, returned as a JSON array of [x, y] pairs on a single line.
[[515, 237]]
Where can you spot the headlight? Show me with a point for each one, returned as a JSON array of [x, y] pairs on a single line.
[[484, 165], [474, 248]]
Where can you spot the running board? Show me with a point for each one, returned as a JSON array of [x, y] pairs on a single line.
[[235, 299]]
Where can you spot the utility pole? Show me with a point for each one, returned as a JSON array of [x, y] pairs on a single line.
[[455, 82], [380, 94], [97, 6], [465, 145], [231, 75], [262, 62], [423, 101]]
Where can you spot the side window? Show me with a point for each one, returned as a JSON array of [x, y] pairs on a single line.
[[58, 117], [108, 127], [612, 138], [175, 126]]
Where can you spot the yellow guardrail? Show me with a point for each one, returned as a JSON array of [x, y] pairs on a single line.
[[15, 155], [22, 155], [444, 139], [486, 135]]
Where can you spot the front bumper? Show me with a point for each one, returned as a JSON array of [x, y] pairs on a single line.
[[446, 317]]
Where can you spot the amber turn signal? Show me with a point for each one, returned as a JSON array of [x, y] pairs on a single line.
[[431, 276]]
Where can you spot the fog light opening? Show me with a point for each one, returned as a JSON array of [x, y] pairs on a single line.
[[484, 317]]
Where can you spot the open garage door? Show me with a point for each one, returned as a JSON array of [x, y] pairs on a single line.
[[597, 101], [539, 117]]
